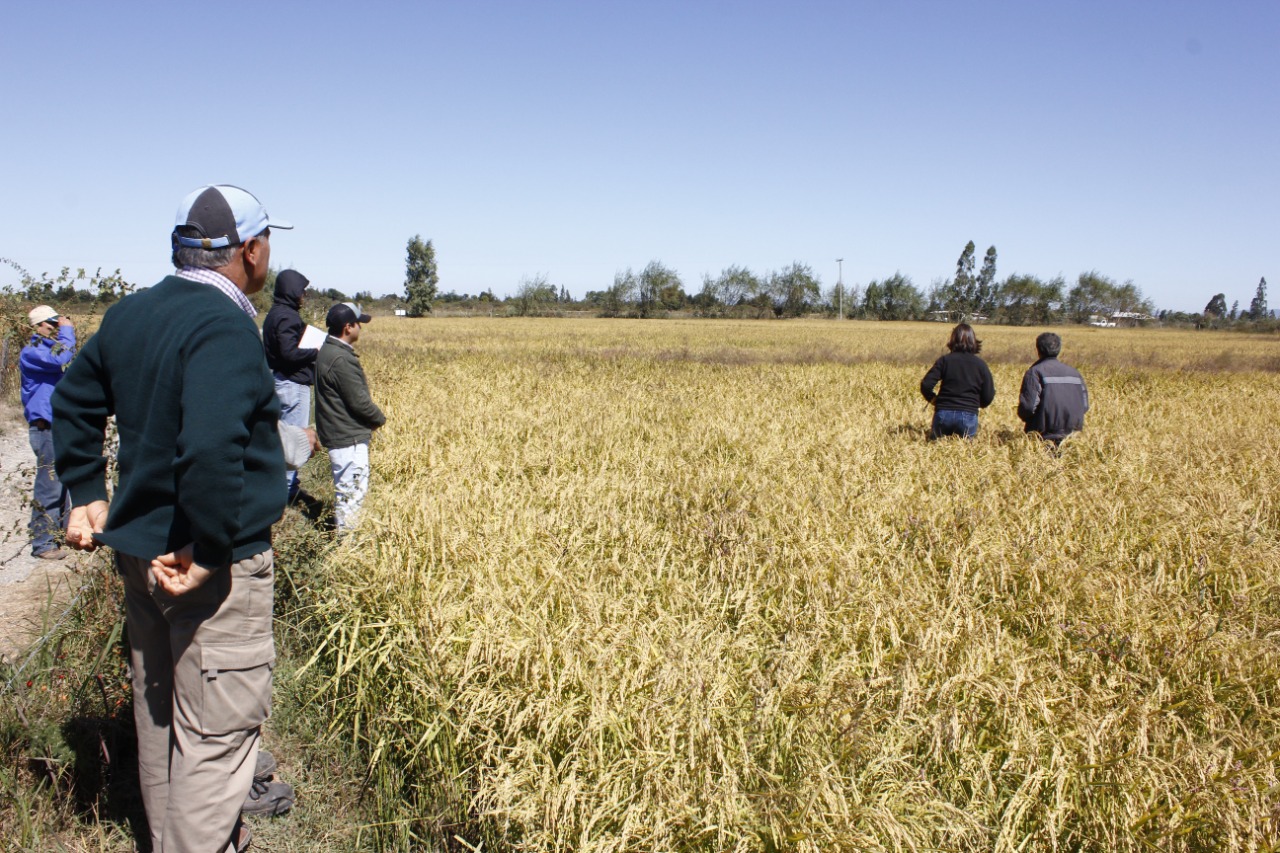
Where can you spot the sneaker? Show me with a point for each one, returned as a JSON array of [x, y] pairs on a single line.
[[52, 554], [268, 798], [265, 768]]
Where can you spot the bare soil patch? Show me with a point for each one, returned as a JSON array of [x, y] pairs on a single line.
[[27, 584]]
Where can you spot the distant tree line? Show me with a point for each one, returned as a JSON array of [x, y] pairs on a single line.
[[790, 292], [1216, 315], [974, 293]]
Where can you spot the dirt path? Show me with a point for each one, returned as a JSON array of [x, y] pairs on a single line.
[[26, 583]]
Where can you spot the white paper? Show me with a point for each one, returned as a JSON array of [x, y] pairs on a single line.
[[312, 338]]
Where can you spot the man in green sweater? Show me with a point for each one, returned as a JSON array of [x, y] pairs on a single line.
[[201, 481]]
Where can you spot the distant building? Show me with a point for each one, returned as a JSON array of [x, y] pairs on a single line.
[[1119, 318], [1130, 318], [956, 317]]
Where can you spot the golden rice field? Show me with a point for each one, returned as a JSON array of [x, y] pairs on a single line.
[[703, 586]]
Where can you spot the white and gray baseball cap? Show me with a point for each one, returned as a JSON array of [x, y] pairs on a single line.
[[221, 215], [344, 313]]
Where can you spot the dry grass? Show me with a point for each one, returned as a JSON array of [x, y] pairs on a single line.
[[704, 586]]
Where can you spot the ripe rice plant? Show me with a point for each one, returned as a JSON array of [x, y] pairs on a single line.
[[704, 586]]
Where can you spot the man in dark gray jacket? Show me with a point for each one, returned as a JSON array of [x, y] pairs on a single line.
[[1054, 397], [346, 415]]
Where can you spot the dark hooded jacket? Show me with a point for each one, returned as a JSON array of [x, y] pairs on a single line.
[[282, 330]]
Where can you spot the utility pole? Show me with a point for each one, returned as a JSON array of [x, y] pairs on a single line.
[[840, 291]]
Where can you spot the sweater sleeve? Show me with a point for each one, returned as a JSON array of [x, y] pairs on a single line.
[[81, 405], [931, 380], [988, 387], [216, 419]]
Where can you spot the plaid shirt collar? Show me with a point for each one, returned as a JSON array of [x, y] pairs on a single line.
[[221, 282]]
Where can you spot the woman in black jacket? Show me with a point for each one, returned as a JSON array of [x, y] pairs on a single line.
[[966, 386]]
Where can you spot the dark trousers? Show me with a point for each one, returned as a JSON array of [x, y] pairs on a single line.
[[49, 497]]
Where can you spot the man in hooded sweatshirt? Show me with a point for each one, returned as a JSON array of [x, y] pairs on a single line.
[[294, 369]]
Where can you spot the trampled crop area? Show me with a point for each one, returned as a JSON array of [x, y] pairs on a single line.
[[704, 586]]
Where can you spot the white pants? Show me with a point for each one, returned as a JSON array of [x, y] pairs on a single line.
[[350, 466]]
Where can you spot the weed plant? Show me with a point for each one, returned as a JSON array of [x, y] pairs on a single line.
[[68, 774], [66, 726], [704, 586]]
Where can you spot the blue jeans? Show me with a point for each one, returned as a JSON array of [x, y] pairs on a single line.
[[295, 408], [951, 422], [49, 496]]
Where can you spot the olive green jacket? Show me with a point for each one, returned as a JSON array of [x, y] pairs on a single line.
[[345, 413]]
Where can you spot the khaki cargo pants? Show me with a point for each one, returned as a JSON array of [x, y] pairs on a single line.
[[202, 665]]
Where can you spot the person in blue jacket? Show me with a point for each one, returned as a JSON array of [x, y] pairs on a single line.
[[52, 346]]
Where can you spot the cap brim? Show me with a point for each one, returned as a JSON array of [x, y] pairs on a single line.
[[280, 223], [364, 318], [202, 242]]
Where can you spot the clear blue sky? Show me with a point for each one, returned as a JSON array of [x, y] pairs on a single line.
[[576, 139]]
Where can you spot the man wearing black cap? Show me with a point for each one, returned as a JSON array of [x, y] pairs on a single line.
[[346, 415], [201, 481]]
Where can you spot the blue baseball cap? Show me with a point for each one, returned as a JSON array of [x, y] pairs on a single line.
[[221, 215]]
